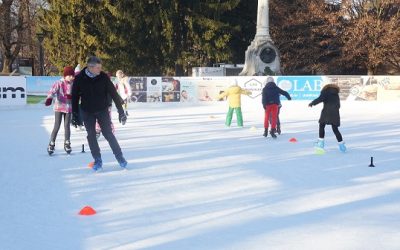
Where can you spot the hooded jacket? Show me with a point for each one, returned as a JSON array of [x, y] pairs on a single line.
[[94, 93], [330, 97], [271, 93], [233, 93], [123, 87]]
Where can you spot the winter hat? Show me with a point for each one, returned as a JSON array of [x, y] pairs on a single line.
[[69, 71]]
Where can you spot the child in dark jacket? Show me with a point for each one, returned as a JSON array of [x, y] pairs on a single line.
[[329, 114], [270, 100]]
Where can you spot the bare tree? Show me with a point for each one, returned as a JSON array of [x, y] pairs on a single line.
[[306, 35], [14, 20], [371, 34]]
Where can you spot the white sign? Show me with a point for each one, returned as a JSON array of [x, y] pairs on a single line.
[[12, 90], [207, 71]]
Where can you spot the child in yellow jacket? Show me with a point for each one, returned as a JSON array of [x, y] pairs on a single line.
[[233, 94]]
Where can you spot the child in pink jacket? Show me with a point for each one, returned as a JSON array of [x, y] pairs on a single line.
[[61, 93]]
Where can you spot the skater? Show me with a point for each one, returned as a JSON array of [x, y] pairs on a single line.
[[271, 102], [278, 120], [98, 128], [61, 91], [234, 96], [80, 127], [123, 88], [92, 87], [329, 114]]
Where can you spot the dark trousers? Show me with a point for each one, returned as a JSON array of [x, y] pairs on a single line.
[[58, 116], [104, 120], [335, 130]]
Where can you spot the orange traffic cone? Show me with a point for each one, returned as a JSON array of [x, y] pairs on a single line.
[[88, 210], [293, 139], [91, 164]]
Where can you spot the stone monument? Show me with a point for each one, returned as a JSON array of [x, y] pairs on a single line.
[[262, 52]]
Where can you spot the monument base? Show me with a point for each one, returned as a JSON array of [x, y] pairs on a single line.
[[260, 54]]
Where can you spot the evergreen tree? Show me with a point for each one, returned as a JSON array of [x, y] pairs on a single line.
[[70, 28], [141, 37], [154, 37], [130, 37], [243, 21], [195, 33]]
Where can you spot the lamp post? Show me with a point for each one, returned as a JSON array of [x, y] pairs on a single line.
[[40, 37]]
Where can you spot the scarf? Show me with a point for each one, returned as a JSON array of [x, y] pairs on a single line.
[[90, 74]]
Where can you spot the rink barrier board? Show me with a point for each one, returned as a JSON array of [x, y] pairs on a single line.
[[203, 89]]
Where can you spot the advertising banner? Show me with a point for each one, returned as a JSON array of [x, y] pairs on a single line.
[[171, 89], [349, 85], [139, 89], [253, 84], [188, 89], [12, 91], [40, 85], [153, 89], [208, 89], [367, 88], [203, 89], [301, 87]]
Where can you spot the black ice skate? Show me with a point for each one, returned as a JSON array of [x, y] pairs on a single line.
[[265, 132], [67, 147], [50, 148], [278, 130], [272, 133]]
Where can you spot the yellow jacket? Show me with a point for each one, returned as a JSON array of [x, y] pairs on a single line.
[[233, 93]]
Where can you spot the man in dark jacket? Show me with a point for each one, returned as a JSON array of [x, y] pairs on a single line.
[[270, 100], [329, 114], [92, 87]]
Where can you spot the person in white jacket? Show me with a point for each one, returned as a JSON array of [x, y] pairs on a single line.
[[123, 88]]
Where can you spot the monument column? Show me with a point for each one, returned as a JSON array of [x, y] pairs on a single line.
[[263, 19], [262, 52]]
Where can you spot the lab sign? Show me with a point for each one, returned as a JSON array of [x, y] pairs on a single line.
[[301, 87]]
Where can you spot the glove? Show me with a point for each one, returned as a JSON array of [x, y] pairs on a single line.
[[310, 104], [76, 121], [122, 117], [48, 101]]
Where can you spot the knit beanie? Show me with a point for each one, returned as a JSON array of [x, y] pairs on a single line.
[[69, 71]]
